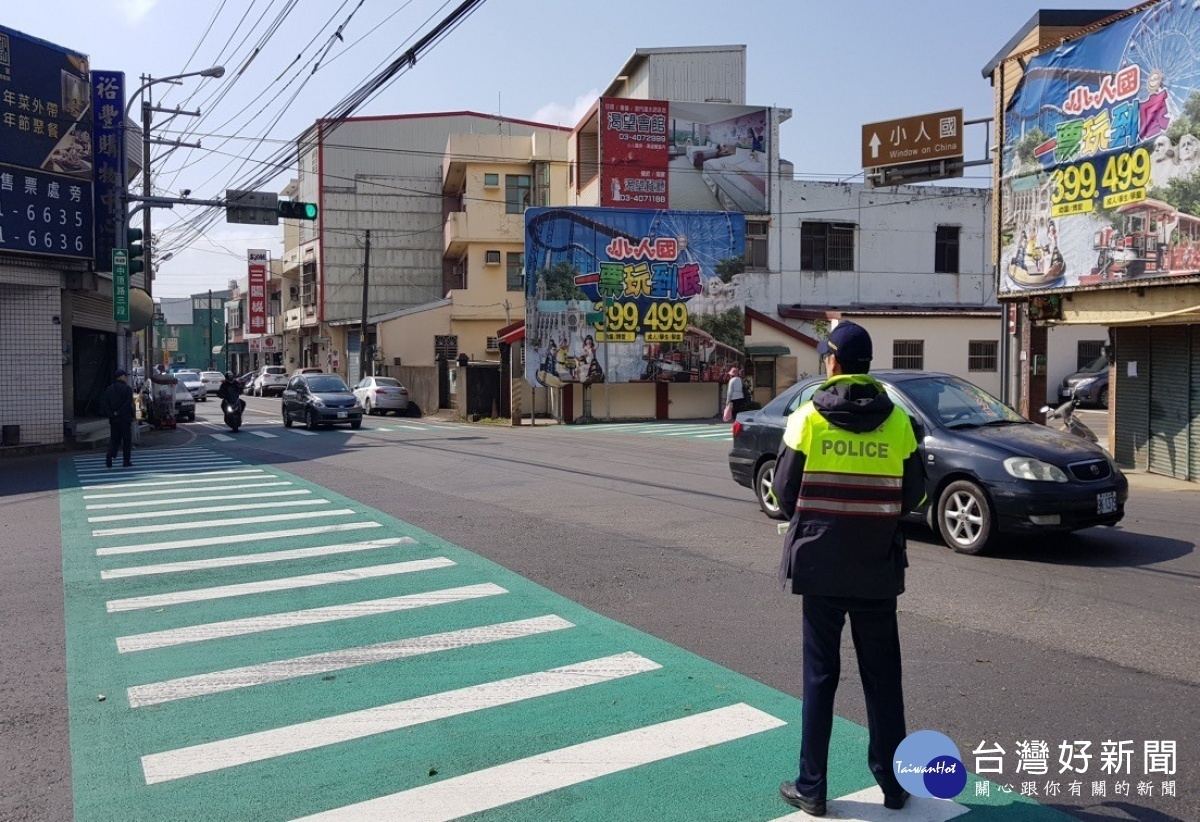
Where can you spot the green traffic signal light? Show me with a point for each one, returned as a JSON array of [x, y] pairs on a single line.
[[293, 210], [133, 242]]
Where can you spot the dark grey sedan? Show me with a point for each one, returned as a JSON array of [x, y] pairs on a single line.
[[988, 469], [320, 399]]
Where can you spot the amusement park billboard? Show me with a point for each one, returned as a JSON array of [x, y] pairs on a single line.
[[1100, 181], [628, 295]]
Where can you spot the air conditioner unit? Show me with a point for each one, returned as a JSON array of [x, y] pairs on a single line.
[[492, 258], [396, 361], [294, 293]]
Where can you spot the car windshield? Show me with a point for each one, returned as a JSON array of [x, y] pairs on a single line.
[[1097, 365], [187, 375], [276, 370], [958, 404], [326, 384]]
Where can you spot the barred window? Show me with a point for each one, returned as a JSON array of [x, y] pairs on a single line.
[[827, 246], [1087, 353], [982, 355], [909, 354], [445, 345]]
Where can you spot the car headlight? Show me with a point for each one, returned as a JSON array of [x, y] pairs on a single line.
[[317, 402], [1027, 468]]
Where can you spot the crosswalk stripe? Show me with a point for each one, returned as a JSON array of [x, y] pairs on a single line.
[[254, 559], [265, 586], [167, 451], [723, 435], [222, 437], [304, 433], [309, 616], [182, 500], [253, 675], [264, 434], [211, 509], [193, 464], [221, 523], [139, 548], [867, 806], [536, 775], [161, 458], [123, 494], [182, 479], [331, 730]]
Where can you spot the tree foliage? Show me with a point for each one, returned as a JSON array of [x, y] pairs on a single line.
[[728, 327], [730, 267], [560, 282]]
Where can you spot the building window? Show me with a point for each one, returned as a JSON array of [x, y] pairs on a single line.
[[827, 246], [517, 191], [982, 355], [515, 279], [909, 354], [1087, 353], [493, 343], [308, 283], [491, 180], [541, 187], [756, 244], [445, 346], [945, 249]]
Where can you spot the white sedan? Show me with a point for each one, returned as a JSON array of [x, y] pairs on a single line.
[[212, 380], [378, 395]]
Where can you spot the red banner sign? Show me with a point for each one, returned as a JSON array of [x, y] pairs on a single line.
[[633, 151], [257, 292]]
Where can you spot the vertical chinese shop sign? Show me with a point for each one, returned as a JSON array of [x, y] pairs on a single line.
[[633, 150], [258, 260], [108, 117]]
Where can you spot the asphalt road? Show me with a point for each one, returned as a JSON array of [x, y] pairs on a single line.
[[1085, 638]]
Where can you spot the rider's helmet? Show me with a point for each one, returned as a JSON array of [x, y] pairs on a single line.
[[229, 376]]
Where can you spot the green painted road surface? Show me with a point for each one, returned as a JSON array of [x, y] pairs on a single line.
[[245, 645], [716, 431]]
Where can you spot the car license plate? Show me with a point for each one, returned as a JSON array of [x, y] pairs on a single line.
[[342, 416], [1106, 503]]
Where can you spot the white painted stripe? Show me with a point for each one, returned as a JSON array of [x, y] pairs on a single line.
[[724, 435], [227, 539], [122, 494], [867, 806], [264, 434], [382, 429], [266, 586], [310, 616], [154, 452], [222, 437], [221, 523], [211, 509], [162, 458], [184, 500], [164, 479], [539, 774], [157, 467], [332, 730], [254, 559], [252, 675], [304, 433]]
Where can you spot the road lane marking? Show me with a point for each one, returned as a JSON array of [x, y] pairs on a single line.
[[264, 434], [252, 675], [272, 585], [525, 778], [124, 494], [304, 433], [211, 476], [185, 500], [867, 806], [194, 464], [139, 548], [254, 559], [331, 730], [211, 509], [222, 437], [308, 616], [221, 523], [155, 454]]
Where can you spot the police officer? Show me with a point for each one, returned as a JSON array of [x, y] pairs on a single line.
[[847, 471], [118, 404]]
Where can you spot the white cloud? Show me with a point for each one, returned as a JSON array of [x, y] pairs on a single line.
[[557, 114], [135, 10]]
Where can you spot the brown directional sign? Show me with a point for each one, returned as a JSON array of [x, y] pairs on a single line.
[[916, 139]]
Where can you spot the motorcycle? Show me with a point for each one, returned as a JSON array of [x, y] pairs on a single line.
[[1070, 423], [233, 413]]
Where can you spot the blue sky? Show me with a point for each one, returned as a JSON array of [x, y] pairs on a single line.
[[837, 65]]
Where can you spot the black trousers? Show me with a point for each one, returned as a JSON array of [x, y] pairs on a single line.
[[120, 437], [877, 645]]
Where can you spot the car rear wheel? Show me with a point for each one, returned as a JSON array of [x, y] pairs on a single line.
[[312, 420], [964, 517], [1102, 400], [762, 489]]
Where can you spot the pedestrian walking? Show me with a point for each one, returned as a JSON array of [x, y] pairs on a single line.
[[847, 472], [118, 404], [736, 398]]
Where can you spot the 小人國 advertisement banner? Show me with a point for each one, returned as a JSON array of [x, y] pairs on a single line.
[[1100, 181], [627, 295]]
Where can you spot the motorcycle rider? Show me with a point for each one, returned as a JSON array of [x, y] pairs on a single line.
[[231, 391]]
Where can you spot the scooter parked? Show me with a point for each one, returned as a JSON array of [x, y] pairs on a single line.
[[1065, 413], [233, 412]]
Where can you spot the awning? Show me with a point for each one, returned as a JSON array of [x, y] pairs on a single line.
[[767, 351], [512, 333]]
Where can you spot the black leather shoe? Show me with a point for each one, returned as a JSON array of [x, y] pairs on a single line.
[[107, 463], [895, 803], [127, 465], [810, 805]]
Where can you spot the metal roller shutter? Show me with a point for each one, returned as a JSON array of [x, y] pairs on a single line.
[[1169, 400], [1194, 423], [92, 312], [1132, 397]]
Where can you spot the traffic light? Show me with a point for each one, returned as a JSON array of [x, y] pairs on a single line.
[[292, 210], [137, 252]]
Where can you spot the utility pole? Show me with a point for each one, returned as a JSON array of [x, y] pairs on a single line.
[[362, 332], [211, 362]]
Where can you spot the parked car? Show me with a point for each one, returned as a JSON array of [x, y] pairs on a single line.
[[383, 394], [247, 380], [1089, 384], [308, 371], [270, 379], [185, 404], [988, 470], [212, 380], [194, 384], [320, 399]]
